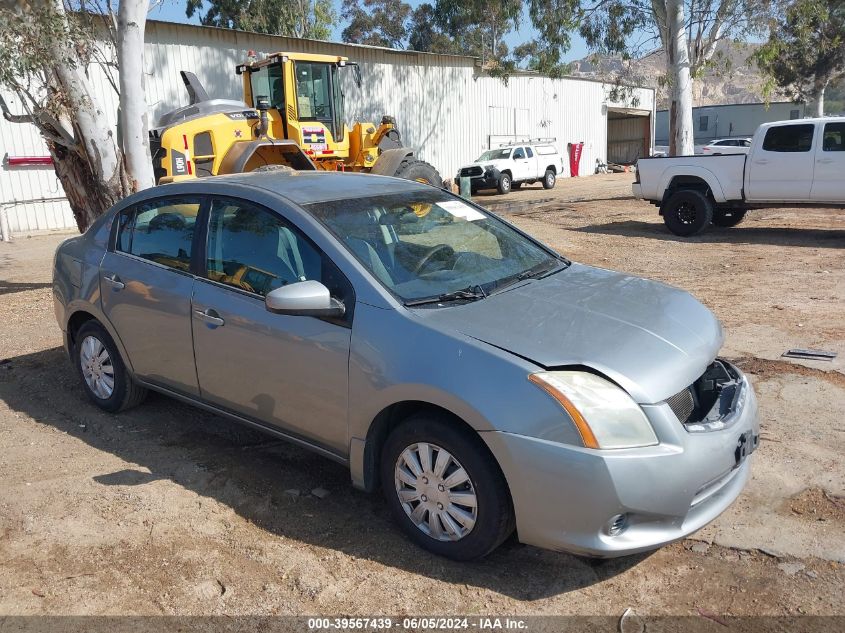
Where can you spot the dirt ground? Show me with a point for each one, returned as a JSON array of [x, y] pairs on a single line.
[[157, 511]]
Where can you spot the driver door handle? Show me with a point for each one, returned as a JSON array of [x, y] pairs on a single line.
[[762, 161], [114, 281], [209, 316]]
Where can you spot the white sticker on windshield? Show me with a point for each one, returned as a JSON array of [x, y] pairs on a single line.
[[461, 210]]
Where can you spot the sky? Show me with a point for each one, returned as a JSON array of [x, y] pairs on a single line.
[[174, 11]]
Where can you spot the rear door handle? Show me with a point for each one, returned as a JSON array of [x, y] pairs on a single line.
[[825, 160], [762, 161], [114, 281], [209, 316]]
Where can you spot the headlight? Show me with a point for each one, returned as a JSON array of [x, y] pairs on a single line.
[[489, 167], [606, 416]]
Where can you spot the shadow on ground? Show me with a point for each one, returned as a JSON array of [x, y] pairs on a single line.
[[780, 236], [251, 472], [11, 287]]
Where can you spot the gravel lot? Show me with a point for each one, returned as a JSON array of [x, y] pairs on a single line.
[[159, 511]]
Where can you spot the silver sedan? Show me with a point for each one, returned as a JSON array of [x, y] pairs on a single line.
[[485, 383]]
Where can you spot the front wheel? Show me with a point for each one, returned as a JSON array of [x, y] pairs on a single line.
[[504, 183], [549, 179], [727, 217], [687, 212], [445, 489], [419, 171]]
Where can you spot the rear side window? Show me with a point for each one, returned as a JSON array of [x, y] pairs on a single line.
[[161, 231], [789, 138], [834, 137], [529, 152]]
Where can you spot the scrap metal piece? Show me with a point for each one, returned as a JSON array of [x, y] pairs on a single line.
[[810, 354]]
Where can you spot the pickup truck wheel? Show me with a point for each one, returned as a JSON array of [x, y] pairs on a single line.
[[727, 217], [687, 212], [504, 183], [549, 179]]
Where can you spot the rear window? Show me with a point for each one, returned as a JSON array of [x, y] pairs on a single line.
[[789, 138], [160, 231], [834, 137]]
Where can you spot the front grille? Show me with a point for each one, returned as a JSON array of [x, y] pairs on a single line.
[[471, 171], [682, 405]]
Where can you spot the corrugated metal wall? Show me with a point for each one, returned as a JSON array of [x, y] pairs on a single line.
[[444, 108]]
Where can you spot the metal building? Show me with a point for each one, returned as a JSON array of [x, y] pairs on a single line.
[[731, 120], [446, 108]]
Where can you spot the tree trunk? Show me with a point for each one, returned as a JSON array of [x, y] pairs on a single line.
[[131, 21], [91, 170], [820, 100], [681, 136]]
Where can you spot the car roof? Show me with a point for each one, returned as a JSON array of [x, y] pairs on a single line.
[[307, 187]]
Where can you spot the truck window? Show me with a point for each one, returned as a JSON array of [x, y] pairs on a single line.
[[529, 152], [789, 138], [518, 153], [834, 137]]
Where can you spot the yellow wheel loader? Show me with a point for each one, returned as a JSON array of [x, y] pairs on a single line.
[[292, 116]]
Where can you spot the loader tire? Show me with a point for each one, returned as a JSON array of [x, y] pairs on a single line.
[[420, 171]]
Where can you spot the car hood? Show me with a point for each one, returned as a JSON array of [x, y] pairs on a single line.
[[651, 339], [488, 163]]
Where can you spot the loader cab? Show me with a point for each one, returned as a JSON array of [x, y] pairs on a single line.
[[302, 89]]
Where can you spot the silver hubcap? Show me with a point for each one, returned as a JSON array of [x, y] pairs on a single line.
[[97, 368], [436, 492]]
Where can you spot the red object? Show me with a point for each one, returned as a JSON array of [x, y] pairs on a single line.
[[575, 151], [19, 161]]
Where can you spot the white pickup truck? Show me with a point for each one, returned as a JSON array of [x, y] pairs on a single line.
[[790, 163]]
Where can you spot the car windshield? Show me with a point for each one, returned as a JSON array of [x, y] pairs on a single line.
[[495, 154], [427, 244]]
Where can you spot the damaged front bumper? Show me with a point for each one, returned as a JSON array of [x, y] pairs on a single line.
[[609, 503]]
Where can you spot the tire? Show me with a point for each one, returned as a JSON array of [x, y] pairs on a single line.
[[727, 217], [549, 179], [91, 341], [687, 212], [418, 170], [493, 513], [505, 183], [264, 168]]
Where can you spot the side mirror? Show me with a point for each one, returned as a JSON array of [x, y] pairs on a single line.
[[304, 298]]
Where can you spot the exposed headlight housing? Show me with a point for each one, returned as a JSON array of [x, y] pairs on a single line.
[[605, 415]]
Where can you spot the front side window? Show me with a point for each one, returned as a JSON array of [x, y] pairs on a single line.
[[421, 244], [518, 153], [253, 249], [313, 91], [267, 82], [160, 231], [834, 137], [789, 138]]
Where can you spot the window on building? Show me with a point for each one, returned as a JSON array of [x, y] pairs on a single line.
[[794, 114], [703, 123]]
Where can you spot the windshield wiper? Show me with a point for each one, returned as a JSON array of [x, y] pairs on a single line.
[[536, 272], [472, 293]]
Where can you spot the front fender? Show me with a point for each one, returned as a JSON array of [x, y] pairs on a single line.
[[389, 160]]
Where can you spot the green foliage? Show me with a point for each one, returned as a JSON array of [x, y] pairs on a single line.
[[376, 22], [303, 18], [806, 48]]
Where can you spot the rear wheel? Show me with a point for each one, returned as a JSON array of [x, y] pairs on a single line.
[[727, 217], [505, 183], [102, 372], [549, 179], [413, 169], [687, 212], [444, 488]]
